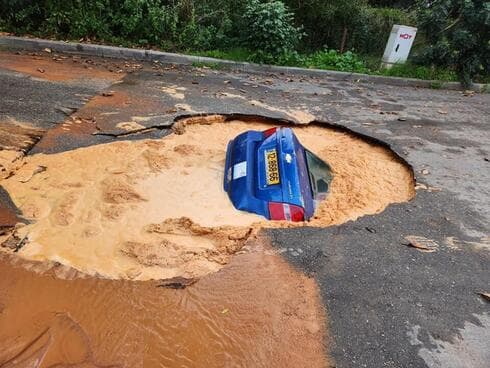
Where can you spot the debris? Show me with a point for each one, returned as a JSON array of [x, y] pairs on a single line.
[[422, 186], [20, 244], [40, 70], [469, 93], [177, 283], [108, 93], [485, 296], [402, 119], [39, 169], [48, 50], [224, 311], [370, 229], [442, 112], [424, 172], [66, 110], [421, 243]]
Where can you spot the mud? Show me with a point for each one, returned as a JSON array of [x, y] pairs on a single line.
[[53, 67], [156, 209], [256, 312]]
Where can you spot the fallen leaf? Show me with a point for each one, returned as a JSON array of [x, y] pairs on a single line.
[[485, 296], [224, 311], [421, 243]]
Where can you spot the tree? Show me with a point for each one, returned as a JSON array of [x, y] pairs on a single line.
[[269, 30], [329, 23], [458, 32]]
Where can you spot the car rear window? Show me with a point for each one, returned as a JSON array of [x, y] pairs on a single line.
[[320, 176]]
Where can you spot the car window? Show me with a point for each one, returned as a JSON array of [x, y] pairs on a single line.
[[320, 176]]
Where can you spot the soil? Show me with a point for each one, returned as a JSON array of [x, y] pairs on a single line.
[[155, 209]]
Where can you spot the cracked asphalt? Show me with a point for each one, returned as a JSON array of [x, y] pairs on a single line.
[[388, 304]]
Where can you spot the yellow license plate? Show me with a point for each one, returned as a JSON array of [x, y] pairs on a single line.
[[272, 167]]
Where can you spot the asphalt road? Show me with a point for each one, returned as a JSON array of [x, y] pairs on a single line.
[[388, 304]]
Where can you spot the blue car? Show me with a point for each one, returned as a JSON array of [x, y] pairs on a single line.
[[271, 174]]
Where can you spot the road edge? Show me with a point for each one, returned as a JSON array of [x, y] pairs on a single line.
[[38, 44]]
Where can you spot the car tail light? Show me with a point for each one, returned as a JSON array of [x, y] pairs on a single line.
[[284, 211], [269, 132]]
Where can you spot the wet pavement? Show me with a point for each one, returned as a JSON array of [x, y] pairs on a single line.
[[387, 303]]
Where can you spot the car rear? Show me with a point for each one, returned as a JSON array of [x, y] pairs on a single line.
[[266, 173]]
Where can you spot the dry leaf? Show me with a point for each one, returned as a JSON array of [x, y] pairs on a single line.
[[224, 311], [421, 243], [485, 296]]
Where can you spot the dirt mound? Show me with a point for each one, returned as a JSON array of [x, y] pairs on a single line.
[[156, 209]]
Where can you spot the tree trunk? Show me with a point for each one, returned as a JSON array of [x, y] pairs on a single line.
[[344, 40]]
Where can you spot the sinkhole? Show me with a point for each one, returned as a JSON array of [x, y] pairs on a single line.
[[156, 209]]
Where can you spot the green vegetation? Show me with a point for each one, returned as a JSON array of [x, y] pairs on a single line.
[[458, 33], [345, 35]]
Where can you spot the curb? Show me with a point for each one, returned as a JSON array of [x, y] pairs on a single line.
[[37, 44]]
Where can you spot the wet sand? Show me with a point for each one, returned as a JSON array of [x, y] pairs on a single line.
[[256, 312], [155, 209]]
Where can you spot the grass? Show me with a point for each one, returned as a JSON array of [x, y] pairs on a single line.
[[347, 62]]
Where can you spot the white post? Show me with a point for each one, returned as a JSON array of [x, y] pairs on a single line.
[[399, 45]]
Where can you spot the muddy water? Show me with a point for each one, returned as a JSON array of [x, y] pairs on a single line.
[[156, 209], [256, 312]]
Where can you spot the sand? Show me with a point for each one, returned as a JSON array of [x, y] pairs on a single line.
[[155, 209]]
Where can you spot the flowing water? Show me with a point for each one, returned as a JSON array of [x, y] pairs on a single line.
[[255, 312]]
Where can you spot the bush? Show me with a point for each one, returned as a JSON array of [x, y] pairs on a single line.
[[331, 59], [269, 30], [420, 72]]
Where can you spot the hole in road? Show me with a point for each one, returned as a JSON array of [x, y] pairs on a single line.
[[156, 209]]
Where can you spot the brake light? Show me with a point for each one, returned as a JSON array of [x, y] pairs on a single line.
[[285, 211], [269, 132]]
